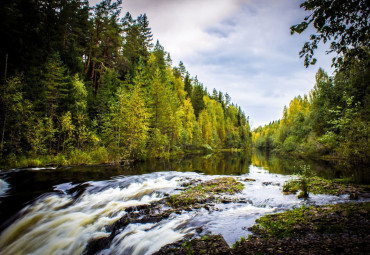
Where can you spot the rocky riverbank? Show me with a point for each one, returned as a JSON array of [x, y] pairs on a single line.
[[195, 194], [331, 229]]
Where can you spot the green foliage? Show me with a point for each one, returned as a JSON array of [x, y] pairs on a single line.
[[16, 116], [333, 121], [91, 88], [158, 144], [290, 187], [304, 177], [290, 144], [345, 24], [302, 182]]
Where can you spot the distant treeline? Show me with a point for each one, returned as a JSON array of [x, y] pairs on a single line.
[[80, 84], [333, 120]]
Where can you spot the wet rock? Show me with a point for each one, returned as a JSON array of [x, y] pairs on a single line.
[[353, 196], [213, 244], [141, 208], [194, 197], [244, 201], [311, 244], [207, 208], [191, 182], [331, 229], [199, 230], [270, 183], [97, 245], [226, 200], [136, 214], [364, 195], [249, 180]]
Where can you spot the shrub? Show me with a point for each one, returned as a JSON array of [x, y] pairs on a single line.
[[99, 155]]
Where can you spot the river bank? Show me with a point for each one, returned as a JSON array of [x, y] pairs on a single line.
[[329, 229], [95, 156], [324, 229]]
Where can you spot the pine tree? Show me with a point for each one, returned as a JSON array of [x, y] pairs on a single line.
[[135, 124], [187, 85], [55, 83]]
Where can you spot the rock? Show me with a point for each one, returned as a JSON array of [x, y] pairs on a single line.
[[125, 162], [199, 230], [208, 245], [365, 195], [136, 214], [97, 245], [226, 200], [270, 183], [249, 180], [353, 196]]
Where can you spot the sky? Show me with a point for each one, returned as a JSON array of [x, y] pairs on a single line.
[[242, 47]]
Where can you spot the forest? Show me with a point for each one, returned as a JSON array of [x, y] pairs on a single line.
[[333, 119], [107, 147], [80, 84]]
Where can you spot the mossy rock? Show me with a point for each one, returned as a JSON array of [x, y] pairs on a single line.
[[207, 245], [207, 191], [317, 185], [324, 220]]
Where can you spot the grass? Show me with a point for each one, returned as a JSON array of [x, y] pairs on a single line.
[[290, 187], [75, 157]]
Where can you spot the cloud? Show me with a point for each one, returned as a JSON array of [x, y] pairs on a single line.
[[181, 25], [242, 47]]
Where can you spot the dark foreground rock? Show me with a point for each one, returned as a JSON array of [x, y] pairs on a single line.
[[332, 229], [137, 214], [212, 245], [309, 244]]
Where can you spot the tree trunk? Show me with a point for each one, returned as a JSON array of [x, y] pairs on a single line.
[[3, 133]]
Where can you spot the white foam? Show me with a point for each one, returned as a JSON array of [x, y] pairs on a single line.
[[4, 186], [59, 225]]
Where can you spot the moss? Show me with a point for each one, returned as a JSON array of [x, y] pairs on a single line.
[[328, 219], [237, 243], [290, 187], [208, 245], [335, 187], [206, 191], [205, 237], [317, 185]]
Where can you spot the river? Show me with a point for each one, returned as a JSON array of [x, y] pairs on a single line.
[[60, 210]]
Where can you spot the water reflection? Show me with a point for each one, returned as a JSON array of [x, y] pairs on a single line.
[[231, 163], [328, 169]]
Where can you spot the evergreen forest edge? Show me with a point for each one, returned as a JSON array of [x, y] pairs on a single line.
[[81, 85], [333, 120]]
